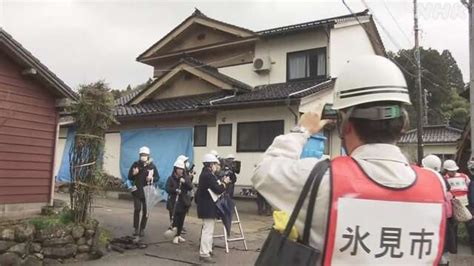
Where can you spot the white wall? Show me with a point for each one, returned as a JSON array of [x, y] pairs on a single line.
[[249, 159], [346, 43], [59, 149], [277, 49], [112, 154]]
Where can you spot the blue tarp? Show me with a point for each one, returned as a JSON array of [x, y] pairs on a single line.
[[64, 175], [165, 145]]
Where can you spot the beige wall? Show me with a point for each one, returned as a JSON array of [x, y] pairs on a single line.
[[185, 84], [277, 49], [189, 38], [411, 150]]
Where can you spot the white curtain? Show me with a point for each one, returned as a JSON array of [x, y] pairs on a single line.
[[299, 66], [321, 64]]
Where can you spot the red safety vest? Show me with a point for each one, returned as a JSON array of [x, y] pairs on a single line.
[[459, 184], [370, 224]]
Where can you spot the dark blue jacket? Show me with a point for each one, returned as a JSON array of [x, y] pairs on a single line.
[[206, 207]]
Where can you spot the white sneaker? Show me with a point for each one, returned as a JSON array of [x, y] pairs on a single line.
[[181, 239], [176, 240]]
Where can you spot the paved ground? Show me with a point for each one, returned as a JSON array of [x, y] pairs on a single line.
[[116, 215]]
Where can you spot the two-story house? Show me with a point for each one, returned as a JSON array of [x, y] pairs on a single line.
[[221, 87]]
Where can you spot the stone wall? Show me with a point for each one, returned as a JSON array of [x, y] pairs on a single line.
[[24, 244]]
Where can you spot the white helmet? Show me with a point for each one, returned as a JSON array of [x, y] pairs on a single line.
[[179, 163], [182, 158], [210, 158], [144, 150], [450, 165], [369, 79], [230, 156], [215, 153], [432, 162]]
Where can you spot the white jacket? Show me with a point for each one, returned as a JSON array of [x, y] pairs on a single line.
[[281, 174]]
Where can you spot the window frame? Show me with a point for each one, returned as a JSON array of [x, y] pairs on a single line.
[[194, 136], [314, 51], [219, 135], [239, 149]]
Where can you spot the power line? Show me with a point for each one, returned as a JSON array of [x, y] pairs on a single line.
[[396, 22], [397, 45]]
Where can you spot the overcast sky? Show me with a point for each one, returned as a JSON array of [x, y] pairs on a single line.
[[84, 41]]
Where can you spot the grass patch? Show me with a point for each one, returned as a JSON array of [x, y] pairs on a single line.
[[105, 236], [63, 218]]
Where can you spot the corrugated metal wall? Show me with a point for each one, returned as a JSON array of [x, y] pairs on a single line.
[[27, 137]]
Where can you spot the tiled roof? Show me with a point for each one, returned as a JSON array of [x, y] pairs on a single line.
[[188, 103], [280, 91], [433, 134], [126, 98], [196, 13], [309, 25], [265, 93], [27, 58]]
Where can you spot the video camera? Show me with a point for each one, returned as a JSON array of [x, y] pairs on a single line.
[[229, 167]]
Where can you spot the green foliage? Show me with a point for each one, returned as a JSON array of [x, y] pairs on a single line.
[[442, 79], [63, 218], [93, 114]]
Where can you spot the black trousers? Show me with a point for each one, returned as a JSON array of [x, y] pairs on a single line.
[[178, 221], [139, 205]]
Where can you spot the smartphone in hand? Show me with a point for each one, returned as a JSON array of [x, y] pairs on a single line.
[[329, 113]]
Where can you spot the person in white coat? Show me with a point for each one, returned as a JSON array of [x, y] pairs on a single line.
[[370, 95]]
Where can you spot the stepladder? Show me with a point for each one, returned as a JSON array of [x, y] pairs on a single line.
[[233, 236]]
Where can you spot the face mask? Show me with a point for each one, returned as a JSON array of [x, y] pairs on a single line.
[[143, 158]]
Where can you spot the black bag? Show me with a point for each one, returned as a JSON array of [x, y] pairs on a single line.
[[278, 249]]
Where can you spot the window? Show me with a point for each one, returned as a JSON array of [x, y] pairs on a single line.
[[307, 64], [224, 137], [200, 136], [257, 136]]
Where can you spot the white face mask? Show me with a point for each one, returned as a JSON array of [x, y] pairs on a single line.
[[143, 158]]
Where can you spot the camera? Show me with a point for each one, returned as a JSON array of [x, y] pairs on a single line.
[[328, 112], [229, 167]]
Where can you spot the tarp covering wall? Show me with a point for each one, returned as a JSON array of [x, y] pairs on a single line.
[[165, 145], [64, 174]]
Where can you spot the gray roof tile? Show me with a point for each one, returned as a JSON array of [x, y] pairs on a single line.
[[433, 134]]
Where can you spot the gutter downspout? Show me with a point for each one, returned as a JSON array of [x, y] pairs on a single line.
[[288, 105], [53, 174]]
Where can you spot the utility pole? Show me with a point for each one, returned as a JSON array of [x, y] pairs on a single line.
[[419, 90], [470, 8]]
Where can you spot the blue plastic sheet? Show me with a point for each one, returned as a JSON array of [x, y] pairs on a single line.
[[64, 174], [165, 145]]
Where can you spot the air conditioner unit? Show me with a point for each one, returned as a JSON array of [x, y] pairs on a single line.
[[262, 64]]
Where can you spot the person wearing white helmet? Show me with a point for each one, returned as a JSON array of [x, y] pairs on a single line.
[[178, 185], [368, 198], [141, 173], [206, 207], [459, 182]]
